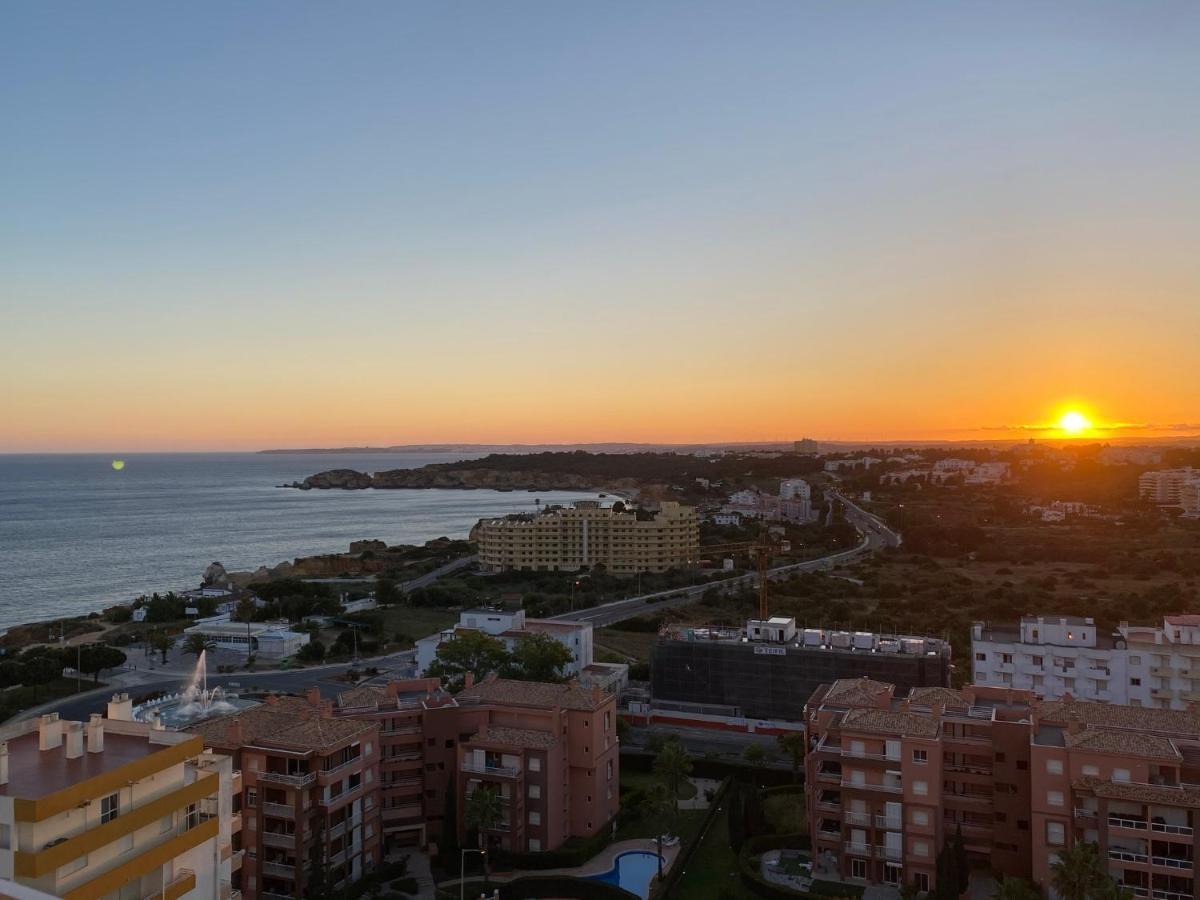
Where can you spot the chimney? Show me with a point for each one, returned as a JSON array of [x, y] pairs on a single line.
[[313, 695], [326, 709], [74, 740], [1074, 726], [49, 731], [120, 708], [4, 762], [938, 709], [234, 734], [469, 680], [95, 733], [392, 689]]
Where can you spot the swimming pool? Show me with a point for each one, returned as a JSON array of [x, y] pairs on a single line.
[[632, 871]]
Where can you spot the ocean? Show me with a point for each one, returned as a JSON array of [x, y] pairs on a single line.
[[76, 535]]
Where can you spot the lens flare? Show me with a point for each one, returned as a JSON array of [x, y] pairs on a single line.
[[1074, 422], [118, 464]]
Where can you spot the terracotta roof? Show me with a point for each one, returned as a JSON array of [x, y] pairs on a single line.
[[532, 693], [1127, 743], [1111, 715], [1139, 793], [361, 696], [890, 722], [515, 737], [1182, 620], [290, 723], [855, 691], [927, 696]]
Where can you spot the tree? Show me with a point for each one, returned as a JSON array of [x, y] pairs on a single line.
[[483, 811], [246, 609], [195, 644], [793, 745], [41, 670], [468, 651], [313, 651], [737, 815], [754, 754], [162, 642], [962, 864], [1011, 888], [657, 805], [946, 887], [94, 658], [672, 766], [538, 657], [448, 848], [1076, 874]]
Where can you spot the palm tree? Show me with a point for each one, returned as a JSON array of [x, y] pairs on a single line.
[[1077, 874], [793, 745], [659, 803], [1011, 888], [483, 811], [673, 765], [245, 611], [162, 642], [195, 644]]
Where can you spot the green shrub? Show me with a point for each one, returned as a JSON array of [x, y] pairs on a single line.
[[573, 852]]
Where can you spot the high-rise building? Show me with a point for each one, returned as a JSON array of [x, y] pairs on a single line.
[[588, 534], [115, 808], [1165, 487], [311, 792], [806, 447], [1057, 656]]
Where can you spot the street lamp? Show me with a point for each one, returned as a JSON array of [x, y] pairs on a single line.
[[462, 865]]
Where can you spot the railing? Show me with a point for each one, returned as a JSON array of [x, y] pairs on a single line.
[[182, 876], [340, 766], [969, 798], [967, 768], [1127, 856], [282, 870], [280, 810], [500, 771], [1170, 862], [856, 847], [851, 753], [829, 776], [829, 806], [857, 818], [1126, 822], [1081, 813], [888, 823], [1170, 829], [1169, 895], [407, 729], [278, 839], [873, 786], [302, 780], [1137, 890], [884, 852], [236, 859]]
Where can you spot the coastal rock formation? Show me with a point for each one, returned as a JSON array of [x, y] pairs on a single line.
[[459, 479], [215, 574]]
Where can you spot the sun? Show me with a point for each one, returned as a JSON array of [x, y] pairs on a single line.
[[1074, 422]]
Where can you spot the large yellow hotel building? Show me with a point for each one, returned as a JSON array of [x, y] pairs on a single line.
[[587, 534], [114, 809]]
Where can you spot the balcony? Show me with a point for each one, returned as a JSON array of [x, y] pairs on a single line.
[[279, 810], [403, 731], [1127, 856], [494, 771], [974, 739], [829, 776], [1171, 862], [1086, 814], [236, 787], [340, 767], [278, 839], [977, 799], [869, 786], [235, 823], [1161, 693], [278, 869], [889, 823], [885, 852], [828, 806], [1162, 672], [1164, 828], [856, 818], [857, 849], [236, 859], [303, 779], [1115, 821]]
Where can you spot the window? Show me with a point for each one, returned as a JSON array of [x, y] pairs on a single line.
[[980, 657], [1022, 824], [535, 818], [921, 878], [1000, 757], [858, 868], [1135, 682], [1054, 767], [1091, 770], [1120, 775], [920, 848], [534, 845], [1022, 765], [449, 743], [252, 796], [535, 764], [1037, 661], [1135, 660], [607, 720], [921, 788], [110, 808], [610, 770], [1056, 834], [1006, 658], [920, 817], [1054, 798], [920, 757], [535, 792]]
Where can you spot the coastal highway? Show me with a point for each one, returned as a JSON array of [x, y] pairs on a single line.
[[873, 532]]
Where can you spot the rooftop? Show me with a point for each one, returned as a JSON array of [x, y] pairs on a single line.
[[1187, 795], [1111, 715], [532, 693], [928, 696], [1126, 743], [515, 737], [288, 723], [857, 691], [890, 722]]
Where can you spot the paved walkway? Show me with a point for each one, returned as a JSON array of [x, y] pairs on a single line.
[[700, 801], [597, 865]]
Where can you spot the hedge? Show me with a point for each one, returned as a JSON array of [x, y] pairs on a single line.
[[715, 768], [685, 853], [574, 852], [532, 886], [782, 789]]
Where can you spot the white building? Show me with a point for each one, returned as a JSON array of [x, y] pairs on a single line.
[[1165, 487], [836, 465], [806, 446], [509, 626], [902, 475], [987, 473], [795, 489], [115, 808], [1138, 665], [269, 640], [727, 517]]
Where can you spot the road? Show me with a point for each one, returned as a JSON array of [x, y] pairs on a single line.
[[874, 535]]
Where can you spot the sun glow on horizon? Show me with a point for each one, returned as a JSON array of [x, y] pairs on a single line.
[[1073, 422]]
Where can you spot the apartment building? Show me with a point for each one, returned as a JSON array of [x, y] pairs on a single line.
[[1126, 778], [1165, 487], [1057, 656], [568, 539], [510, 625], [114, 808], [891, 776], [310, 792]]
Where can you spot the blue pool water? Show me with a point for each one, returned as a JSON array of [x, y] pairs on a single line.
[[632, 871]]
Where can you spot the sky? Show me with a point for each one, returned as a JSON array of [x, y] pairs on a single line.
[[239, 226]]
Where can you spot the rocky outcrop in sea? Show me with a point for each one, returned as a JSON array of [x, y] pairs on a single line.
[[456, 479]]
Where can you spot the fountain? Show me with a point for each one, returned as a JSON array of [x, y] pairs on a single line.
[[195, 702]]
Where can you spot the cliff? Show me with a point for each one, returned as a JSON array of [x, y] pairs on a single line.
[[459, 479]]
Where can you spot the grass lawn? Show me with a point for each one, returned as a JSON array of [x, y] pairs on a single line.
[[785, 813], [416, 621], [712, 871], [643, 780], [634, 645]]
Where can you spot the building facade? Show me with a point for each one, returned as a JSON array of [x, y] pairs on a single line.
[[1166, 487], [310, 792], [115, 808], [769, 669], [562, 539], [1057, 656]]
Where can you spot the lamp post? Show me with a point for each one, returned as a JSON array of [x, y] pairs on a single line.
[[462, 865]]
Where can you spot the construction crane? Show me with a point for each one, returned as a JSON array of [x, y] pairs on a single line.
[[760, 551]]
